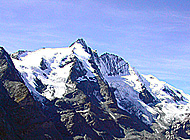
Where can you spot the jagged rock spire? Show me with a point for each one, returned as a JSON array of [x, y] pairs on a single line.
[[82, 42]]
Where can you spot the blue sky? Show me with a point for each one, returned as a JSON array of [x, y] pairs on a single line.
[[154, 36]]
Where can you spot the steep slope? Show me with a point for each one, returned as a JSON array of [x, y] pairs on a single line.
[[20, 115], [104, 94]]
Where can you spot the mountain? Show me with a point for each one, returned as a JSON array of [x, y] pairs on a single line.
[[77, 94]]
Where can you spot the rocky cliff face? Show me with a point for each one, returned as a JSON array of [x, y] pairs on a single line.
[[77, 94], [20, 115]]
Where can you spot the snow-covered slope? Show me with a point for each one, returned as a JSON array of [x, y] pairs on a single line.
[[46, 72], [174, 103]]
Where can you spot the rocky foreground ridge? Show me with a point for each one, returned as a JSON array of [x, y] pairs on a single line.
[[73, 93]]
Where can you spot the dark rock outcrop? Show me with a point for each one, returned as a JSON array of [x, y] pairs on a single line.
[[172, 94], [43, 64], [146, 96]]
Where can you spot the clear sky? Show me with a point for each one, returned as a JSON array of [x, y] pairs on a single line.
[[153, 35]]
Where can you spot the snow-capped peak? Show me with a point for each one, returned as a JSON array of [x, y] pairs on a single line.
[[80, 43], [80, 49], [46, 72]]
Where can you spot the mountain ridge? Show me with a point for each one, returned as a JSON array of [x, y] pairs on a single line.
[[75, 83]]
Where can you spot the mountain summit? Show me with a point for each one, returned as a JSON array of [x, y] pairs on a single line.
[[87, 96]]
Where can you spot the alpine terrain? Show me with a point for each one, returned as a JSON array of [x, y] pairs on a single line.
[[73, 93]]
